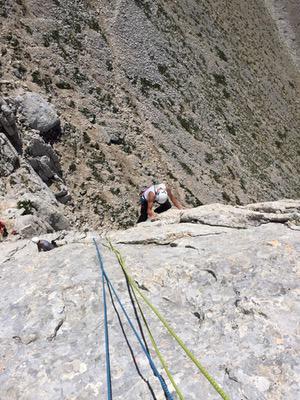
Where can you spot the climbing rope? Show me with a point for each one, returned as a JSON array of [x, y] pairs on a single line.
[[159, 355], [204, 372], [108, 373], [154, 369]]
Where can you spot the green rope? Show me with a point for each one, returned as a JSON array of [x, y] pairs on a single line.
[[169, 329], [160, 356]]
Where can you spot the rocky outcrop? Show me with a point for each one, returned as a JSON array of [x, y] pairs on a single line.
[[30, 168], [229, 291], [41, 156], [31, 225], [9, 158], [8, 123]]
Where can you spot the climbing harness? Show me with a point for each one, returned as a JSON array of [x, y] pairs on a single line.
[[155, 371], [204, 372]]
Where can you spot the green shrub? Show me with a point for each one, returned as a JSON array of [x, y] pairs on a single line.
[[221, 54], [27, 205], [220, 79]]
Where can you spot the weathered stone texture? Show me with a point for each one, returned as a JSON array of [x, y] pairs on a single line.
[[230, 293]]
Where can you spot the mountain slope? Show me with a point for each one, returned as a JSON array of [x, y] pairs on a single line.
[[202, 94]]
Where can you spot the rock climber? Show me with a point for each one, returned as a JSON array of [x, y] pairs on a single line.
[[156, 193], [44, 245], [3, 230]]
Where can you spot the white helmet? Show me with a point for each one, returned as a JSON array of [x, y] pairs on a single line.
[[35, 239], [161, 197]]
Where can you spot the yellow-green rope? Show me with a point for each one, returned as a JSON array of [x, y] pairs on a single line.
[[160, 356], [169, 329]]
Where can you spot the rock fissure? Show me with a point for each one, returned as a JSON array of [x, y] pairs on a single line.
[[56, 329], [164, 242]]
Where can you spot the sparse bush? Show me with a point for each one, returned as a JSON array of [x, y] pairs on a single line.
[[231, 129], [226, 197], [27, 205], [72, 167], [146, 85], [63, 85], [220, 79], [208, 157], [86, 138], [162, 69], [221, 54], [188, 124], [36, 78], [186, 167], [278, 144], [226, 94]]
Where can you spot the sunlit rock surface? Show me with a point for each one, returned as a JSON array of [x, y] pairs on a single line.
[[230, 290]]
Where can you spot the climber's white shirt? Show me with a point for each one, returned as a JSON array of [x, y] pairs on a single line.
[[154, 189]]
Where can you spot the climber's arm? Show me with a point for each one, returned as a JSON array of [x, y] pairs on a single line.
[[150, 212], [173, 199]]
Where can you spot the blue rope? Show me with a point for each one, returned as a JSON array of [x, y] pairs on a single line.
[[108, 374], [154, 369]]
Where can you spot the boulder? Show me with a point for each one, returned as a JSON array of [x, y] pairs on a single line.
[[50, 212], [39, 114], [31, 225]]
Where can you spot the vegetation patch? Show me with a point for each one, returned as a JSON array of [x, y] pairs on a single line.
[[186, 167], [146, 85], [221, 54], [226, 94], [78, 77], [27, 205], [36, 78], [63, 85], [208, 157], [216, 176], [162, 69], [231, 129], [86, 138], [89, 114], [145, 6], [226, 197], [220, 79], [278, 144], [72, 167], [188, 124]]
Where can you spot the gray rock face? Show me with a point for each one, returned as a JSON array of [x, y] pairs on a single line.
[[8, 124], [31, 225], [47, 209], [230, 293], [25, 185], [41, 156], [9, 159], [29, 167], [38, 113]]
